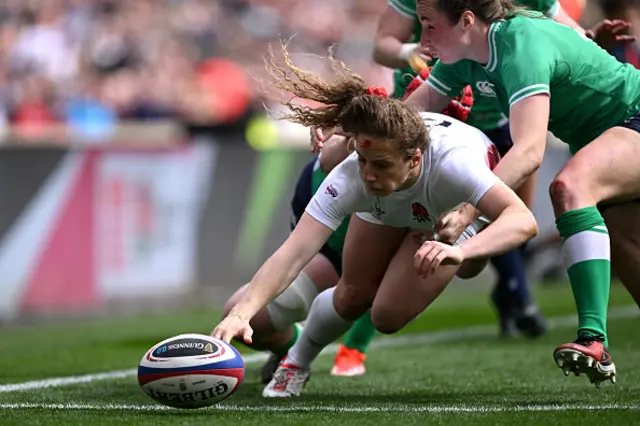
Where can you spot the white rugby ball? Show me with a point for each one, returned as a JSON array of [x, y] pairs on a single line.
[[190, 371]]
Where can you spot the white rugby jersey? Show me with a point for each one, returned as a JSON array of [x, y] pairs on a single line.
[[456, 169]]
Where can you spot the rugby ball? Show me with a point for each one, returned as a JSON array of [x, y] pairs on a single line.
[[190, 371]]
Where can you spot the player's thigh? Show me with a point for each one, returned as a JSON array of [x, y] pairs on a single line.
[[607, 169], [368, 249], [403, 294], [323, 271], [623, 222]]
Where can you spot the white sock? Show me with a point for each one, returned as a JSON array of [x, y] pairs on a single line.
[[323, 326]]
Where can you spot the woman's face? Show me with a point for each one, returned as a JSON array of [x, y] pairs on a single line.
[[383, 168], [443, 39]]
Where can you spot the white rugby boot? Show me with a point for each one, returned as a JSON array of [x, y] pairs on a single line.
[[287, 381]]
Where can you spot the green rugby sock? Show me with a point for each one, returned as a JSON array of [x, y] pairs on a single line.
[[586, 255], [282, 351], [361, 334]]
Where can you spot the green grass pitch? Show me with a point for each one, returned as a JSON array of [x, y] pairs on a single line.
[[448, 367]]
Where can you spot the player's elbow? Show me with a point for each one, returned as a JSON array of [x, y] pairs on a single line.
[[528, 225], [326, 164], [378, 55], [535, 154], [333, 153], [530, 154]]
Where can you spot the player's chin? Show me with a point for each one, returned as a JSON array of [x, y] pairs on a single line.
[[378, 192], [448, 59]]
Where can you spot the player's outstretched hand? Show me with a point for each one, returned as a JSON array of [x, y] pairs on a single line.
[[432, 254], [316, 140], [452, 224], [610, 32], [233, 325]]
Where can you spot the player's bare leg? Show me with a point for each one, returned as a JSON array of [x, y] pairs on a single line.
[[403, 294], [367, 252], [276, 326], [623, 221], [595, 174]]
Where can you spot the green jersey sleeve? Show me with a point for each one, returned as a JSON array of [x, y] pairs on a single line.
[[525, 66], [449, 79], [404, 7]]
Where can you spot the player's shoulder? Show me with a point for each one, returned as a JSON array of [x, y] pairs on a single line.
[[544, 6], [521, 25], [442, 126], [346, 175], [526, 35], [447, 134], [343, 186]]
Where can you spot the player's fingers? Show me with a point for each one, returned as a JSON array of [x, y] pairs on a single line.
[[446, 235], [420, 255], [619, 27], [625, 38], [246, 336], [443, 220], [225, 335], [437, 261], [423, 268], [619, 21], [428, 260]]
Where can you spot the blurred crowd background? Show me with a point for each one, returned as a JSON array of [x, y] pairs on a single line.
[[92, 63]]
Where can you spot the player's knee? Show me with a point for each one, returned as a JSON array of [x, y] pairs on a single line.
[[564, 192], [293, 304], [386, 321], [351, 301], [558, 189]]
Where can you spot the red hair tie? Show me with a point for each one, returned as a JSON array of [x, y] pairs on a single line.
[[377, 91]]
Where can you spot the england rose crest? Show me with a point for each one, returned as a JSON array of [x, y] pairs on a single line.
[[419, 212]]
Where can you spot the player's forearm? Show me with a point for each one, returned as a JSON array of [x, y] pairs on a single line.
[[335, 150], [510, 230], [426, 99], [272, 278], [391, 52], [520, 162], [563, 18]]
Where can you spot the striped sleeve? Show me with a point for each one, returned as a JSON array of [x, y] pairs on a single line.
[[447, 79], [405, 8], [548, 7], [553, 10], [528, 91], [525, 68]]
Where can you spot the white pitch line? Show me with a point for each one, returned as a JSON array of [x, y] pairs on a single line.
[[388, 342], [383, 408]]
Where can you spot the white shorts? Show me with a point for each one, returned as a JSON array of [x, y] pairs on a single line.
[[468, 232]]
